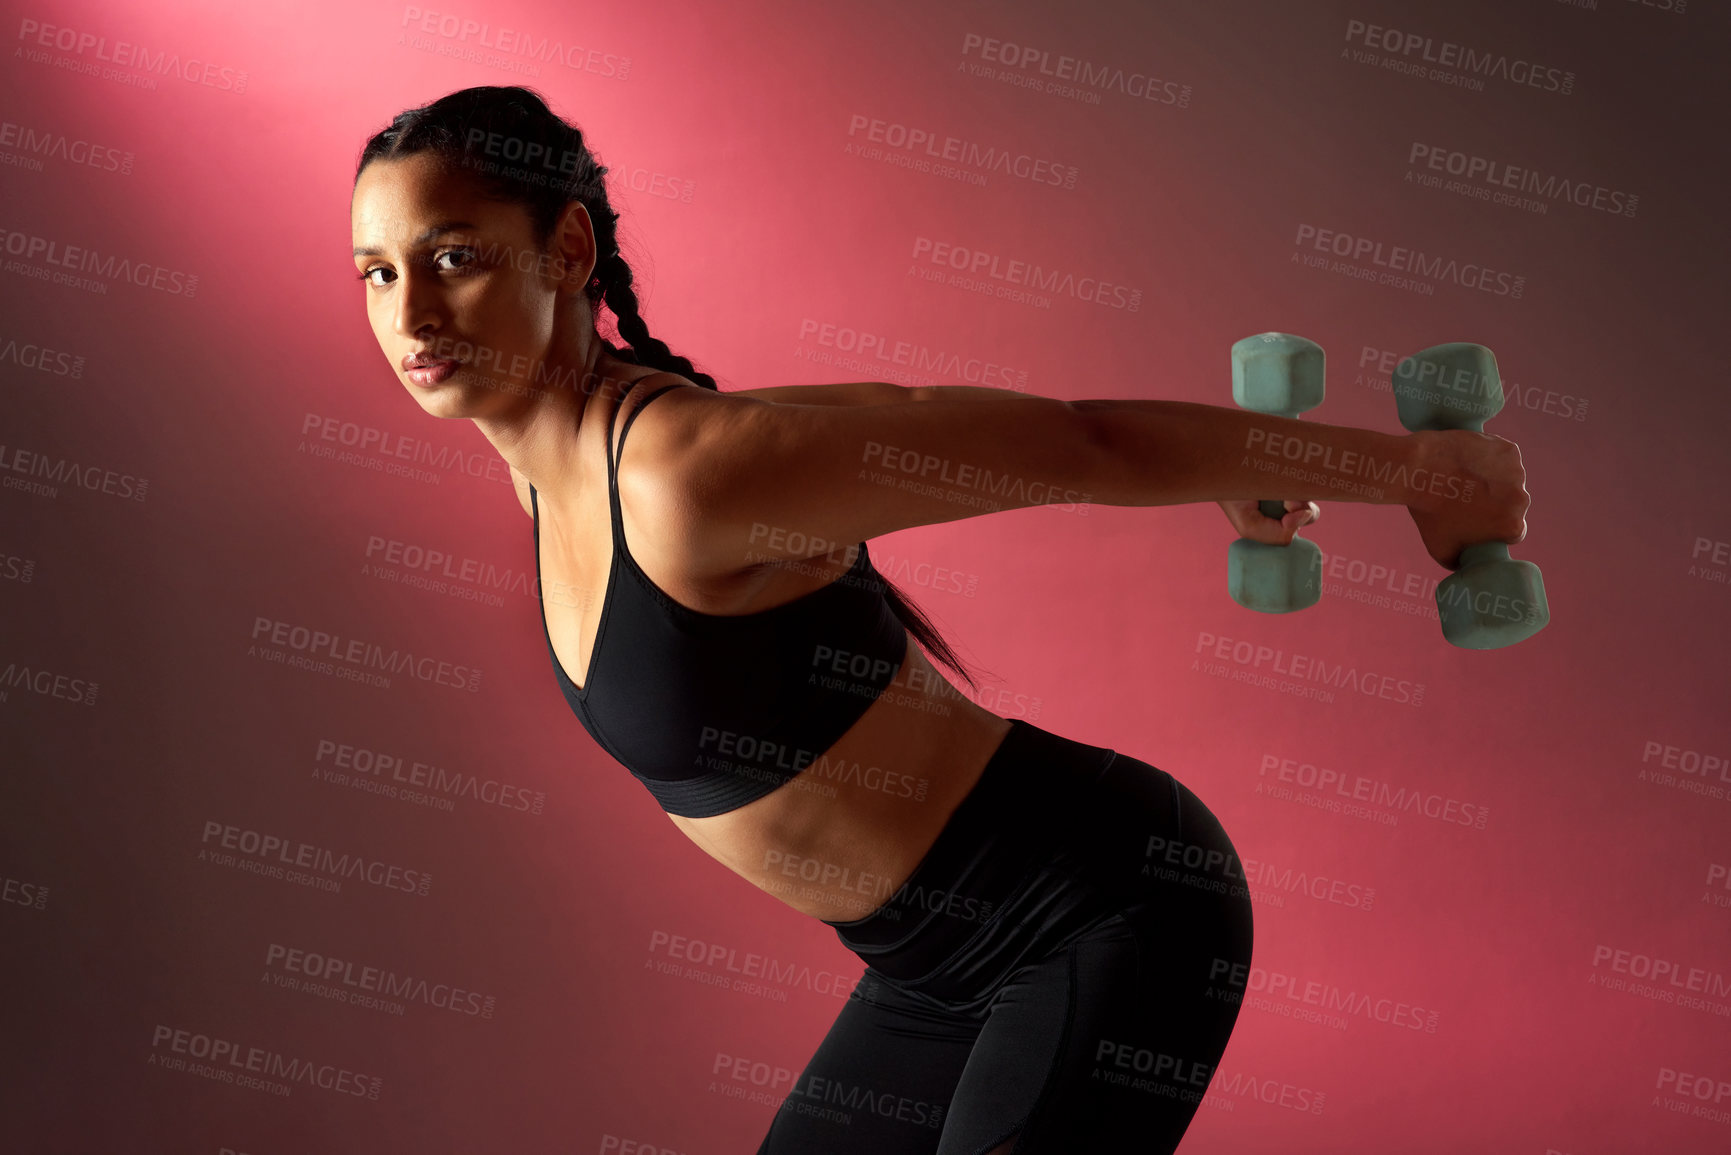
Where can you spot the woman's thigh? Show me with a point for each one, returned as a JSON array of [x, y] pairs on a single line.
[[881, 1081], [1108, 1044]]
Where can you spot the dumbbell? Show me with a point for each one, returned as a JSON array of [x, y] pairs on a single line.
[[1492, 600], [1280, 374]]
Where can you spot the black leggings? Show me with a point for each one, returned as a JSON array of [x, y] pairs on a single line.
[[1066, 963]]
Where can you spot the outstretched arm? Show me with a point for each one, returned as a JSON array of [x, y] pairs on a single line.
[[1173, 452], [740, 475], [1189, 436], [1459, 485], [1244, 514]]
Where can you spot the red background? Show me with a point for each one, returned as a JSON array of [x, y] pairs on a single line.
[[752, 226]]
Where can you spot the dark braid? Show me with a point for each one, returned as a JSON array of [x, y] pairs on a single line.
[[615, 279], [512, 143]]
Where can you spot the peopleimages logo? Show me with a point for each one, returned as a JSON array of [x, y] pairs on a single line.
[[974, 264], [411, 779], [1289, 995], [36, 358], [33, 471], [354, 980], [88, 52], [1326, 785], [1448, 55], [1069, 76], [29, 144], [1298, 671], [1274, 1092], [403, 450], [303, 863], [932, 145], [355, 659], [882, 353], [22, 893], [477, 41], [258, 1068], [88, 267], [1386, 258], [748, 972], [1500, 175], [47, 683]]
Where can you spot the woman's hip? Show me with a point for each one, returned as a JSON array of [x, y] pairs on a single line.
[[1056, 837]]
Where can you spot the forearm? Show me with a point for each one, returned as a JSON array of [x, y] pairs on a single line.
[[1175, 452]]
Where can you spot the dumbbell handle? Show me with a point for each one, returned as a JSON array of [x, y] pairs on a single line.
[[1275, 507], [1278, 375]]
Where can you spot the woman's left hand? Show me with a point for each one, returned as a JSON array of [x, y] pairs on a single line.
[[1248, 520]]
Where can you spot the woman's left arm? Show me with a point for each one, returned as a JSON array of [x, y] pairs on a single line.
[[872, 393], [1245, 515], [745, 475]]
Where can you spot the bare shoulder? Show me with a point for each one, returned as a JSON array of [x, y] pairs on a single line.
[[666, 433], [670, 434], [655, 446], [654, 380], [725, 471]]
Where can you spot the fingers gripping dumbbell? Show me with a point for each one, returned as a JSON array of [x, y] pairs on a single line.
[[1492, 600], [1281, 374]]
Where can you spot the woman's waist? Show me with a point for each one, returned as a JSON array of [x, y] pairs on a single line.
[[842, 835]]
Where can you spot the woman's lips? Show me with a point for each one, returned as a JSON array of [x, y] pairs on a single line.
[[432, 373]]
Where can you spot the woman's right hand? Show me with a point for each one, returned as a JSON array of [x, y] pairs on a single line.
[[1472, 489], [1248, 519]]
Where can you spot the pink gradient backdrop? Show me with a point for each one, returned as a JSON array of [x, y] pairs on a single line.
[[750, 222]]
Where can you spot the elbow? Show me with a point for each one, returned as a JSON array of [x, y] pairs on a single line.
[[1099, 473]]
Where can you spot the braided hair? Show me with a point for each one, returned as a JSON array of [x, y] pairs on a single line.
[[521, 152]]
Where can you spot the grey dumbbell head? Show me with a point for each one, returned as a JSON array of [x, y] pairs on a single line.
[[1452, 386], [1492, 600], [1274, 579], [1277, 373]]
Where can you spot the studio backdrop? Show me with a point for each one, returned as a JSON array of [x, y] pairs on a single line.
[[302, 852]]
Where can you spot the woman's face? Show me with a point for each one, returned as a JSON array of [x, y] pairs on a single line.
[[451, 273]]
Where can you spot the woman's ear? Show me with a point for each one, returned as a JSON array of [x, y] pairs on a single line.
[[574, 247]]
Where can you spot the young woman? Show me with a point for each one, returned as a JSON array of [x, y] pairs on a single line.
[[1057, 935]]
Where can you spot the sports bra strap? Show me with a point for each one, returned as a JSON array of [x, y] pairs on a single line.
[[613, 461]]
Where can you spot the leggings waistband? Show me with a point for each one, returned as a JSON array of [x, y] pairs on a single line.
[[1012, 827]]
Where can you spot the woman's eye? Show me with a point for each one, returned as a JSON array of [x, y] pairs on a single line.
[[437, 257]]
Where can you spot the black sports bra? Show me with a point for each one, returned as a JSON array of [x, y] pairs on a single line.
[[712, 711]]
